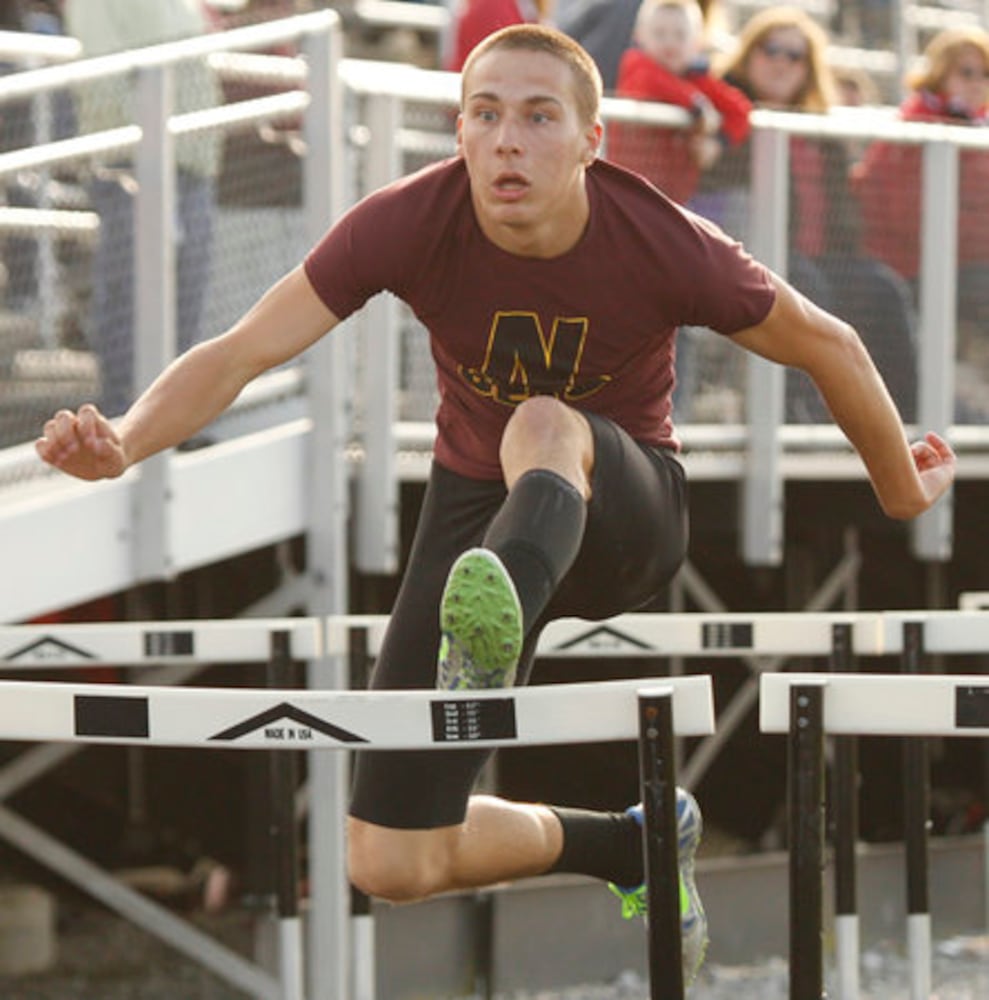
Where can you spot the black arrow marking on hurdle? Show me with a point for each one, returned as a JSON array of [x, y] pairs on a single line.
[[611, 636], [287, 711], [44, 643]]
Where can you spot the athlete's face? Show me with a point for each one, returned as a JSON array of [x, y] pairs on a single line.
[[526, 149]]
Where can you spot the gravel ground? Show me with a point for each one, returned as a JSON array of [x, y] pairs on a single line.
[[101, 957], [961, 972]]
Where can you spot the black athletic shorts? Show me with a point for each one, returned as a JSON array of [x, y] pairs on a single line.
[[634, 542]]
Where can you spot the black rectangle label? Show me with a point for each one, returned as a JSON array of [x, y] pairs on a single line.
[[726, 635], [110, 715], [972, 707], [168, 643], [465, 721]]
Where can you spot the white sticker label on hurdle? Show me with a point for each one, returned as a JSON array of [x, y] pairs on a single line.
[[303, 719], [884, 704]]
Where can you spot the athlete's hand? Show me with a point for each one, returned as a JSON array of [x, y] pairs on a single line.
[[83, 444], [935, 461]]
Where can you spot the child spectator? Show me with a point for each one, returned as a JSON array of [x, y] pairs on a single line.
[[667, 64]]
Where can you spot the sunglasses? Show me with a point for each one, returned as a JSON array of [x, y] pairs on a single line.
[[971, 73], [772, 50]]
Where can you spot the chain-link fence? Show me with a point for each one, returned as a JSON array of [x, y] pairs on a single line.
[[69, 222]]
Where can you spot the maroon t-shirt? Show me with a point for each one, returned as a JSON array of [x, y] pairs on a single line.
[[594, 327]]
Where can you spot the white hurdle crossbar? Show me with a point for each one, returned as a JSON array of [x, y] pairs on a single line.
[[64, 645], [660, 634], [884, 704], [242, 718]]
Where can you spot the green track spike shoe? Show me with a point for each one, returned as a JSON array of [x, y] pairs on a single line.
[[480, 625]]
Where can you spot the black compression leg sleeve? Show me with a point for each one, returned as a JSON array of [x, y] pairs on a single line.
[[537, 535], [605, 845]]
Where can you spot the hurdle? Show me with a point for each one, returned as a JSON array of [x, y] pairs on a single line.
[[167, 653], [912, 704], [300, 719]]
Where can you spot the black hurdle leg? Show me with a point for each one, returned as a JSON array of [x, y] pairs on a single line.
[[283, 776], [916, 814], [805, 806], [846, 824], [659, 839]]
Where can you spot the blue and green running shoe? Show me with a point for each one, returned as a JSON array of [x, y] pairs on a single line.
[[693, 922]]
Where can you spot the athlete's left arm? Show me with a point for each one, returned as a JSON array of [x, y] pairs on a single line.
[[907, 478]]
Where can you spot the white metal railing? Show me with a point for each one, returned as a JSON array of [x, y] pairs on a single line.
[[28, 49]]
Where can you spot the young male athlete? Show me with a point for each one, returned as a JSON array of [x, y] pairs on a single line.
[[551, 284]]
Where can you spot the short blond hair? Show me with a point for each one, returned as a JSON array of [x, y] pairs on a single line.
[[588, 87]]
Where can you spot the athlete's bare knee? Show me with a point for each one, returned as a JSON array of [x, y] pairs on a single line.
[[400, 866], [545, 433], [540, 418]]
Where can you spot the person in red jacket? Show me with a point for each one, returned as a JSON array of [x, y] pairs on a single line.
[[951, 87], [666, 65], [476, 19]]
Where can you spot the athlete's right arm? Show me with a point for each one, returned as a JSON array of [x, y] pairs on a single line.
[[194, 389]]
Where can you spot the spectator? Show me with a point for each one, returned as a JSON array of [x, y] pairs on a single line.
[[780, 63], [604, 28], [476, 19], [667, 64], [102, 27], [26, 123], [856, 88], [951, 87]]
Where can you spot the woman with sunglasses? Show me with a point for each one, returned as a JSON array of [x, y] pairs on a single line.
[[780, 63], [951, 86]]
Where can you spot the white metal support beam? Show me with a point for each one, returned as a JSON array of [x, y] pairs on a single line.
[[931, 537], [376, 514], [762, 484], [154, 305], [329, 395]]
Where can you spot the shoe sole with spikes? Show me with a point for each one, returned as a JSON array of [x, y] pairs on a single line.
[[480, 625]]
